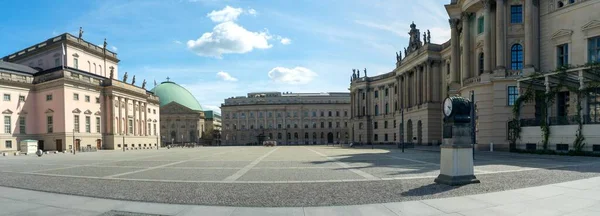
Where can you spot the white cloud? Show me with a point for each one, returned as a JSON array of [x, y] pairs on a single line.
[[229, 37], [114, 48], [226, 76], [225, 15], [297, 75], [177, 42], [252, 12], [285, 41], [212, 107], [398, 29]]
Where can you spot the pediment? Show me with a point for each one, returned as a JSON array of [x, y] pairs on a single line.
[[176, 108], [76, 55], [87, 112], [7, 111], [49, 111], [154, 120], [591, 25], [562, 33], [23, 112], [97, 113], [76, 110]]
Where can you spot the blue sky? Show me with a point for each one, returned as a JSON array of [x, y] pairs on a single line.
[[223, 48]]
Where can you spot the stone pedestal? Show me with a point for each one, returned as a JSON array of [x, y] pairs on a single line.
[[456, 158]]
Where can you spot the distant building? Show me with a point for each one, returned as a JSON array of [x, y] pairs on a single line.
[[64, 93], [181, 116], [288, 118], [213, 127]]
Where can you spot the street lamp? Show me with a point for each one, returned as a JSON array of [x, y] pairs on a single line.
[[74, 142]]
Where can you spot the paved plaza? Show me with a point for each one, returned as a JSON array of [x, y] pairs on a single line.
[[283, 176]]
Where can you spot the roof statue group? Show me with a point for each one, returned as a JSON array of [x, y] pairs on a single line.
[[414, 44]]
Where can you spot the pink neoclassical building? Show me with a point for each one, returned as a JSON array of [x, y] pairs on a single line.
[[64, 93]]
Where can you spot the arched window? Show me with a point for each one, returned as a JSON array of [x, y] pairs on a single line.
[[278, 135], [560, 4], [447, 68], [364, 111], [314, 135], [289, 135], [305, 135], [251, 127], [376, 109], [270, 136], [480, 63], [322, 135], [296, 135], [278, 125], [305, 125], [295, 125], [516, 57], [387, 108]]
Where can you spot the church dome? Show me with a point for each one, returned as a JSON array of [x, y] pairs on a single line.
[[171, 92]]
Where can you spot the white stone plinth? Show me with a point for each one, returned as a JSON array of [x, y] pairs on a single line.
[[456, 159]]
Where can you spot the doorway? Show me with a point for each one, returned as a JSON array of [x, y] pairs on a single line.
[[77, 144], [59, 146], [41, 144], [330, 137], [98, 144]]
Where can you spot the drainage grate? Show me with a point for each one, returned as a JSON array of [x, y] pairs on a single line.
[[124, 213]]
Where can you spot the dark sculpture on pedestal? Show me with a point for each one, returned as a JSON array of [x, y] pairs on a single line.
[[144, 84], [133, 80], [125, 77], [365, 72], [428, 36], [80, 34]]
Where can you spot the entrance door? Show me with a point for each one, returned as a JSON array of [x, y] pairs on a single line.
[[77, 144], [59, 146], [330, 137], [98, 144], [41, 144]]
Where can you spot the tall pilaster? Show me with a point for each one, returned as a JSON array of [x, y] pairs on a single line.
[[430, 83], [454, 43], [529, 34], [500, 34], [487, 36], [466, 48]]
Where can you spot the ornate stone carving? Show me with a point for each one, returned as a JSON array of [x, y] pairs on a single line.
[[486, 4], [453, 22]]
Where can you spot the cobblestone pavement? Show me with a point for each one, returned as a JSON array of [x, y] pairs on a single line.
[[278, 176]]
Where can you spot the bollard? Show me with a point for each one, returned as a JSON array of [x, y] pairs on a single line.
[[491, 146], [16, 153], [4, 154], [55, 152], [39, 152], [25, 153], [45, 152]]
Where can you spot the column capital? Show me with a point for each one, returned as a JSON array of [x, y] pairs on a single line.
[[486, 4], [453, 22], [464, 16]]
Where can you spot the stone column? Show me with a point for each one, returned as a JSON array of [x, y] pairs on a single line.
[[487, 36], [466, 48], [500, 35], [455, 50], [430, 82], [528, 50], [126, 117]]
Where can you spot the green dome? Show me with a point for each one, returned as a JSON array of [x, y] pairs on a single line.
[[169, 91]]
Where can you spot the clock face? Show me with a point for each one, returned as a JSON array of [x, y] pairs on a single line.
[[447, 107]]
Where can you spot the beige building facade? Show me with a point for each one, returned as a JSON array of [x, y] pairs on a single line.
[[493, 44], [64, 93], [288, 118]]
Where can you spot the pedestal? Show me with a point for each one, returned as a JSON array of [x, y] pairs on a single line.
[[456, 158]]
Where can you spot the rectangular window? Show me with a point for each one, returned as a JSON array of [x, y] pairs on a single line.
[[562, 54], [385, 124], [330, 124], [376, 94], [97, 124], [155, 129], [130, 126], [480, 25], [88, 124], [337, 124], [76, 123], [22, 125], [8, 144], [87, 98], [49, 124], [337, 113], [374, 125], [48, 97], [363, 95], [6, 97], [75, 96], [21, 98], [345, 113], [394, 123], [56, 62], [513, 93], [386, 92], [594, 49], [76, 63], [7, 124], [385, 137], [516, 13]]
